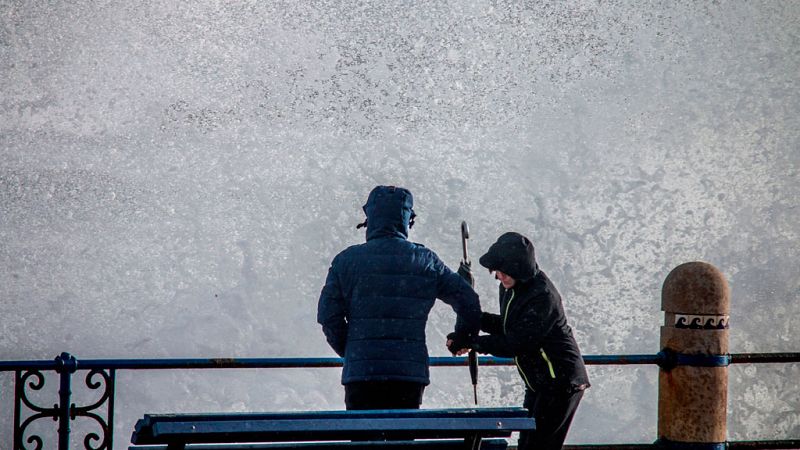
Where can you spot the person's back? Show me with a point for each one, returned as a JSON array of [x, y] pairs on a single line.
[[375, 304]]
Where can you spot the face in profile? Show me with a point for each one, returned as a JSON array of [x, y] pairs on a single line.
[[504, 279]]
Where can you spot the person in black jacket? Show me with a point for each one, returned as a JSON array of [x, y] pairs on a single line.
[[375, 304], [532, 328]]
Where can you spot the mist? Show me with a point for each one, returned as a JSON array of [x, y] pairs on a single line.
[[175, 178]]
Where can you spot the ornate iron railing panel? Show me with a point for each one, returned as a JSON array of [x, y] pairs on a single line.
[[27, 411], [22, 382]]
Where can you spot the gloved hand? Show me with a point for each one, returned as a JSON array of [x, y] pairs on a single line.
[[465, 270], [458, 343]]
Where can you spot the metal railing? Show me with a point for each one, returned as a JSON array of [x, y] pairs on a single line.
[[101, 374]]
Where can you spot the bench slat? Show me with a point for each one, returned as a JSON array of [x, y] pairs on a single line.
[[243, 428], [389, 413], [346, 425], [450, 444]]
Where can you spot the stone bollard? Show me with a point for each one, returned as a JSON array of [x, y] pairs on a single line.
[[693, 383]]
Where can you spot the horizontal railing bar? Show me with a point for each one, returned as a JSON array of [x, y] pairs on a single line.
[[730, 445], [773, 444], [588, 359], [273, 363], [10, 366], [600, 360], [186, 363], [751, 358], [278, 363], [609, 446]]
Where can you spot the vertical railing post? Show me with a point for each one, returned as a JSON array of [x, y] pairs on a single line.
[[111, 387], [18, 392], [66, 365], [693, 380]]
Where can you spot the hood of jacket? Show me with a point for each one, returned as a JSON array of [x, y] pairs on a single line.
[[389, 210], [512, 254]]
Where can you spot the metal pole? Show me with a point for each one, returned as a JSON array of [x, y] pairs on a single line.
[[18, 392], [111, 388], [472, 357], [693, 385], [66, 365]]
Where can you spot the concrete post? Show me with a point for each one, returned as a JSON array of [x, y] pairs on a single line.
[[693, 386]]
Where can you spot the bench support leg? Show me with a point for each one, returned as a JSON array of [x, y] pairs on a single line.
[[473, 442]]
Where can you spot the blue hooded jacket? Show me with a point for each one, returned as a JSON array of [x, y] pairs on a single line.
[[377, 296]]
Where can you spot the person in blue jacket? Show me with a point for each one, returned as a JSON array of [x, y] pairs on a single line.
[[375, 304]]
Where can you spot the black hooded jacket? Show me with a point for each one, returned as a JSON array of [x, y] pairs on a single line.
[[531, 327]]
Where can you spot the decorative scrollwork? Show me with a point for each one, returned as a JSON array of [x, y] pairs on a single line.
[[37, 440], [35, 385], [79, 411], [702, 322], [107, 381], [32, 439], [87, 440], [35, 381]]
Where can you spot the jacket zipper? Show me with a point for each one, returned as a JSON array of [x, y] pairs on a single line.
[[549, 364], [508, 305], [516, 359]]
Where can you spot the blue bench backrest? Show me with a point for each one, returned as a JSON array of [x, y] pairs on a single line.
[[330, 425]]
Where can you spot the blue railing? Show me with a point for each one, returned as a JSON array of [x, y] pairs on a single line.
[[101, 376]]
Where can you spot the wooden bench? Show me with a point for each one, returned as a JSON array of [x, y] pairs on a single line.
[[421, 429]]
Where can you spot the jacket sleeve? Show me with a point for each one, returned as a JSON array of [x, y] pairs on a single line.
[[453, 290], [524, 332], [491, 323], [332, 312]]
